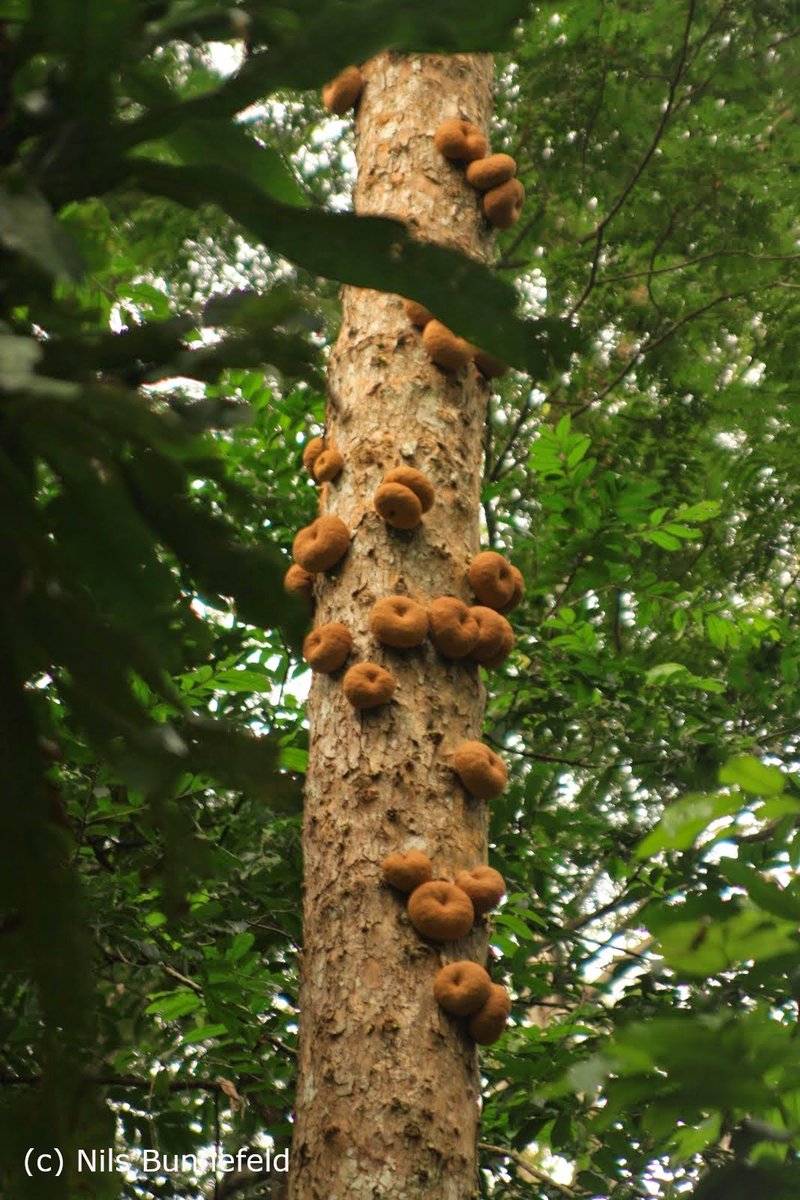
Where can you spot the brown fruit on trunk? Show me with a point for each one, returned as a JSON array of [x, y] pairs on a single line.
[[341, 93], [327, 465], [440, 911], [321, 544], [453, 630], [418, 481], [311, 452], [444, 347], [495, 637], [366, 685], [417, 313], [398, 506], [407, 871], [326, 647], [503, 205], [489, 1021], [399, 622], [491, 172], [492, 579], [517, 594], [482, 772], [462, 988], [460, 141], [299, 582], [484, 886], [489, 366]]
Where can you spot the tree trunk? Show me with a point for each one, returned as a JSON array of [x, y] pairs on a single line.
[[387, 1099]]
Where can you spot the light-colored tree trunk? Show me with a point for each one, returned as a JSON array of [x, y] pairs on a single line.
[[388, 1101]]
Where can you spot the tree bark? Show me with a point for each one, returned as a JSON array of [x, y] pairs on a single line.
[[387, 1098]]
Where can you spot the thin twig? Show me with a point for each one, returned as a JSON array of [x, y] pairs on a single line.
[[639, 170], [690, 262], [648, 347], [535, 1172]]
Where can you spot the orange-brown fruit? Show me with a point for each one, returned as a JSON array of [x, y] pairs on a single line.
[[417, 313], [418, 481], [488, 1023], [399, 622], [444, 348], [491, 172], [311, 452], [298, 582], [407, 871], [502, 205], [440, 911], [326, 647], [453, 630], [495, 637], [341, 93], [492, 579], [489, 366], [484, 886], [327, 465], [321, 544], [398, 505], [482, 772], [461, 988], [366, 685], [517, 594], [460, 140]]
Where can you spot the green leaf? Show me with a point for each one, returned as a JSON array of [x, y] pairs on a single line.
[[246, 680], [514, 924], [314, 44], [230, 146], [781, 902], [704, 511], [753, 776], [777, 807], [27, 226], [665, 540], [292, 758], [375, 252], [681, 531], [239, 946], [172, 1005], [92, 37], [690, 1140], [664, 671], [685, 819], [203, 1033], [705, 947], [578, 451]]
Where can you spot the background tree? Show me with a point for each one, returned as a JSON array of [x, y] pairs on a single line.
[[150, 469]]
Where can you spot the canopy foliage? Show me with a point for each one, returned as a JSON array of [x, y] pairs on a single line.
[[172, 231]]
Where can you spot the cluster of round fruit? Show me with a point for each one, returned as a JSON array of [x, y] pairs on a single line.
[[479, 632], [494, 175], [442, 912], [446, 349]]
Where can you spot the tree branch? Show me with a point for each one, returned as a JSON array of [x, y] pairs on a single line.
[[134, 1082], [535, 1172], [690, 262], [639, 170], [648, 347]]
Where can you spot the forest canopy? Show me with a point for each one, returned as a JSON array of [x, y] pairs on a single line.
[[174, 225]]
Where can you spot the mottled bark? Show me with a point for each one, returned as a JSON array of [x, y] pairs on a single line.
[[388, 1101]]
